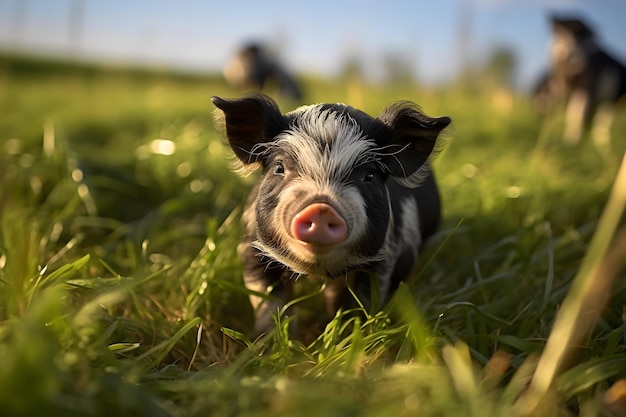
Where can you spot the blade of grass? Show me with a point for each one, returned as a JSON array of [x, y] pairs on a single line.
[[550, 276], [161, 350], [586, 298], [587, 374], [413, 279]]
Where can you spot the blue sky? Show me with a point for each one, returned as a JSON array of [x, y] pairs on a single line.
[[313, 36]]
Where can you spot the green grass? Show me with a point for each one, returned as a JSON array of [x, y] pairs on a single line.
[[121, 291]]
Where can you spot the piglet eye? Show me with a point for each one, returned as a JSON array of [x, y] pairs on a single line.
[[279, 168], [369, 177]]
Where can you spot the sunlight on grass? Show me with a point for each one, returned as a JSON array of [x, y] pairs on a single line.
[[590, 291], [121, 291]]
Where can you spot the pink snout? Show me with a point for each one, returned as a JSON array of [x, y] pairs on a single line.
[[319, 223]]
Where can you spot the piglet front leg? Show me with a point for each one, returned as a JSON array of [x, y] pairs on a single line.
[[272, 282]]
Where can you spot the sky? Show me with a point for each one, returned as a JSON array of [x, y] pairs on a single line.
[[314, 36]]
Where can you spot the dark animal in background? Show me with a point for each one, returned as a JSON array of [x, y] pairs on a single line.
[[254, 68], [584, 76], [342, 196]]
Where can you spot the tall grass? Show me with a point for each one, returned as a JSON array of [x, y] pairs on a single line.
[[121, 291]]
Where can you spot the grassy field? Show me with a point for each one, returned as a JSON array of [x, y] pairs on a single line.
[[121, 292]]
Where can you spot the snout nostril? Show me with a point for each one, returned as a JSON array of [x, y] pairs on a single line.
[[319, 223]]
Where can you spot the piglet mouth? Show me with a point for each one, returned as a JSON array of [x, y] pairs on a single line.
[[315, 249]]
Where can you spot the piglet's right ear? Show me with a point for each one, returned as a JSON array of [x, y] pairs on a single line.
[[249, 121]]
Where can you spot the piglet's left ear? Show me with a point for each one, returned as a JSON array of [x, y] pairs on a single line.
[[412, 138], [249, 121]]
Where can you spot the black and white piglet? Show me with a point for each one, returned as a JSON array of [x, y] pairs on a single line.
[[342, 196]]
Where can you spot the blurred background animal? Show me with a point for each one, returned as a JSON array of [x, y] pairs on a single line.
[[585, 77], [254, 67]]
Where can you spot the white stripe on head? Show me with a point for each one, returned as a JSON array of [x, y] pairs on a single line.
[[327, 145]]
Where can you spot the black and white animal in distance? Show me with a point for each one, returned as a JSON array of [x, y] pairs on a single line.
[[584, 76], [253, 67]]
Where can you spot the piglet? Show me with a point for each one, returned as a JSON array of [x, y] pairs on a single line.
[[342, 196]]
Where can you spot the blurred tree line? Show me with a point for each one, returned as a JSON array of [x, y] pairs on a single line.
[[497, 71]]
